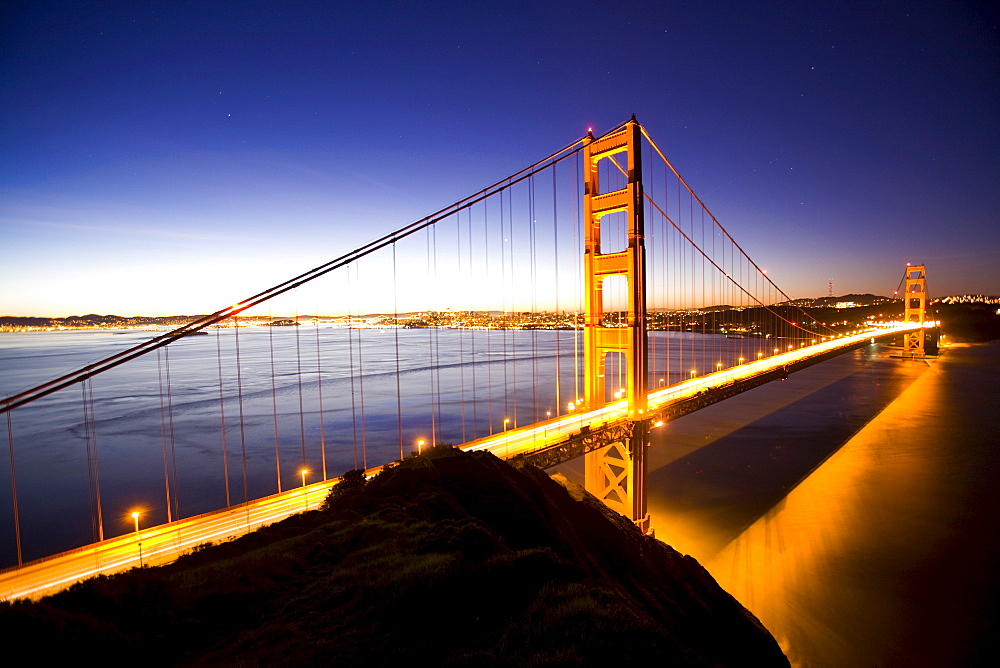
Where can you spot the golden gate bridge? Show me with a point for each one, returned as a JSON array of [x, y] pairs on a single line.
[[564, 311]]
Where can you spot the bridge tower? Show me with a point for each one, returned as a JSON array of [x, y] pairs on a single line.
[[914, 309], [616, 473]]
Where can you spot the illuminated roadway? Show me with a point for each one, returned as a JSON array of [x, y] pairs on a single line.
[[164, 543], [542, 435], [159, 544]]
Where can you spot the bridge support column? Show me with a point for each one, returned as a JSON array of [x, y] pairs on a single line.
[[914, 309], [616, 474]]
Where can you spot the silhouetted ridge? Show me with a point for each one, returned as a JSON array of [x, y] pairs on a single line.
[[448, 559]]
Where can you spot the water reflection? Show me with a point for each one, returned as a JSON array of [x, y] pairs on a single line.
[[789, 567], [886, 554]]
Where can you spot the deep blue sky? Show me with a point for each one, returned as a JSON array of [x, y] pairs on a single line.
[[235, 143]]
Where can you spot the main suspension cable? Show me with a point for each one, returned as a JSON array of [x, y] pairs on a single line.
[[44, 389]]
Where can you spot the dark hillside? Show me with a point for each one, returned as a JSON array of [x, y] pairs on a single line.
[[448, 559], [972, 323]]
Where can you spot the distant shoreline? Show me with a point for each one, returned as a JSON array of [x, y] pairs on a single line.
[[970, 317]]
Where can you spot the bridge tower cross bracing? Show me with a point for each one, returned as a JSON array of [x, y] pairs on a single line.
[[914, 309], [616, 473]]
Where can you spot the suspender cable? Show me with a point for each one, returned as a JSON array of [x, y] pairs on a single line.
[[350, 349], [431, 357], [90, 459], [173, 440], [513, 305], [93, 464], [319, 390], [13, 489], [577, 330], [654, 290], [461, 330], [533, 253], [274, 403], [506, 319], [682, 253], [436, 346], [97, 462], [489, 329], [472, 339], [222, 414], [395, 333], [664, 273], [361, 381], [558, 314], [298, 375], [239, 394], [164, 437]]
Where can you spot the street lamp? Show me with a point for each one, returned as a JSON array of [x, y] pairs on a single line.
[[420, 445], [505, 421], [693, 372], [303, 472], [718, 366], [138, 538]]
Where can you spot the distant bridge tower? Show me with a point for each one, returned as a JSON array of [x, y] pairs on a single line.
[[914, 309], [616, 473]]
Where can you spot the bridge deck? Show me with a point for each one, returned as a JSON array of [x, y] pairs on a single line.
[[537, 442]]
